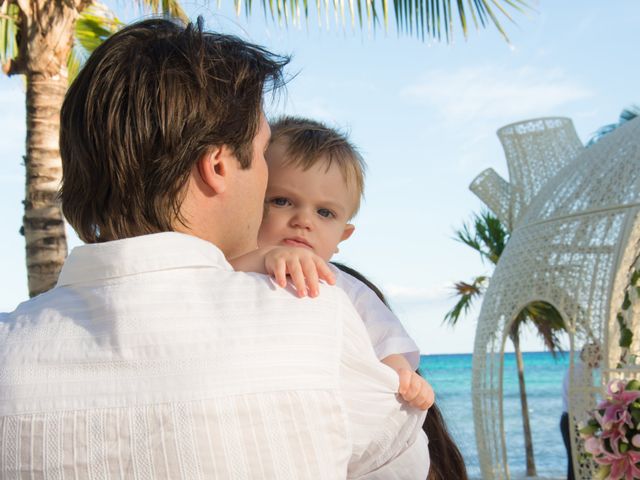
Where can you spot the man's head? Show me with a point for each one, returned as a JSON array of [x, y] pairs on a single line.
[[159, 112], [316, 181]]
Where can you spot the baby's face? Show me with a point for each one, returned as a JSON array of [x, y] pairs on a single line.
[[308, 209]]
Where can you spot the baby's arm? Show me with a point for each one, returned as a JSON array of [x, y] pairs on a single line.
[[303, 266], [413, 388]]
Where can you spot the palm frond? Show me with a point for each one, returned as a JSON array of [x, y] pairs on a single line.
[[9, 15], [546, 321], [627, 114], [492, 234], [467, 293], [423, 19], [95, 24], [486, 235], [469, 238], [171, 8]]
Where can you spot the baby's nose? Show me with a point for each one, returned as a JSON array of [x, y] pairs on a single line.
[[302, 220]]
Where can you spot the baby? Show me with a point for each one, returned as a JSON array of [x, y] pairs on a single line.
[[316, 181]]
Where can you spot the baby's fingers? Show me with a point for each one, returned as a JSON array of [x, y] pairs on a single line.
[[414, 389], [310, 271], [324, 272], [425, 397], [405, 382], [297, 276], [280, 273]]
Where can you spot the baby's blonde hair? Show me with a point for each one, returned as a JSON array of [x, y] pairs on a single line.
[[309, 142]]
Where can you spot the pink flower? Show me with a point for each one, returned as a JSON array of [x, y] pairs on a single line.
[[620, 395], [615, 440], [623, 466], [614, 436], [616, 407], [593, 446]]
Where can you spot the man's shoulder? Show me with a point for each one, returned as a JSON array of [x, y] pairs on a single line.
[[266, 288]]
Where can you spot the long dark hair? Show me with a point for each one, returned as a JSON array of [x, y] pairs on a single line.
[[447, 462]]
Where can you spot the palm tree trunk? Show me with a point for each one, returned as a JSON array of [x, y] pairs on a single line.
[[526, 427], [48, 32], [43, 226]]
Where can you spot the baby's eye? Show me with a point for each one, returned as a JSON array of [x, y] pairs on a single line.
[[280, 201], [326, 213]]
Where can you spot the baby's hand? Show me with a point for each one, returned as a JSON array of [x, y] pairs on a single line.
[[415, 390], [304, 267]]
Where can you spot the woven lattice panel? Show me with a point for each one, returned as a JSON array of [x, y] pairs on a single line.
[[575, 235], [536, 150]]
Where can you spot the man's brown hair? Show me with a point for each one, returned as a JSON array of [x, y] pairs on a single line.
[[150, 101], [308, 142]]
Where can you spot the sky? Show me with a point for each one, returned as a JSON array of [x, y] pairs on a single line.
[[424, 116]]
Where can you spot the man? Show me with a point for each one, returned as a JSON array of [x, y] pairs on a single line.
[[581, 380], [152, 358]]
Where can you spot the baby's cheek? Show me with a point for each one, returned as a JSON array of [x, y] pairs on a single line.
[[265, 234]]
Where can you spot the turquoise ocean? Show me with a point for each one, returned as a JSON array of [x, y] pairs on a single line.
[[450, 376]]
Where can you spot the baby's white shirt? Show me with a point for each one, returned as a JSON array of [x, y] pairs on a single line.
[[385, 330]]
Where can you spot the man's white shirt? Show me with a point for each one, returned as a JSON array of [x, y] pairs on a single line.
[[152, 358]]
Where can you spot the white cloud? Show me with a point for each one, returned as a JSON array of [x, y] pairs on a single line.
[[495, 94]]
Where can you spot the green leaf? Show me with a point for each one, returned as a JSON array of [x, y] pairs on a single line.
[[626, 303], [603, 472], [9, 15], [94, 25], [626, 337], [420, 18], [169, 8], [589, 429]]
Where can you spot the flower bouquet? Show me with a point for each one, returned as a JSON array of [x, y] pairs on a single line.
[[612, 434]]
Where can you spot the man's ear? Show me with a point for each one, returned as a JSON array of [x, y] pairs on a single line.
[[213, 169], [348, 231]]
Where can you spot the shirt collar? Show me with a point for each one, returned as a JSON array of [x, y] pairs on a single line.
[[146, 253]]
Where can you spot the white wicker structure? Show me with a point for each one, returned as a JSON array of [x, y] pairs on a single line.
[[573, 216]]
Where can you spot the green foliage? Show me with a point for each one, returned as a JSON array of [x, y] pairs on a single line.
[[424, 19], [95, 24], [627, 114], [168, 8], [626, 335], [626, 303], [8, 31], [486, 235], [466, 293], [547, 321]]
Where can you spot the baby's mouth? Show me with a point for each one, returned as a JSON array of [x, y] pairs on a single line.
[[296, 242]]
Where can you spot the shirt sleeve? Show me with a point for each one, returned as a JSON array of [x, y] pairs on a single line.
[[386, 434], [384, 328]]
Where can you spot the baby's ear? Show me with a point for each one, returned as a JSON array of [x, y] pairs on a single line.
[[348, 231]]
